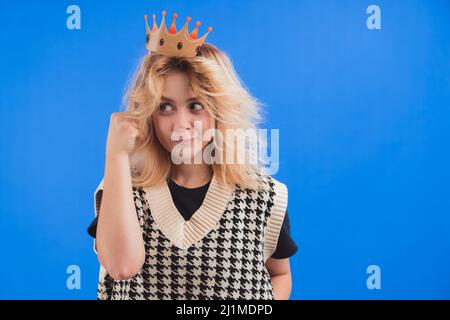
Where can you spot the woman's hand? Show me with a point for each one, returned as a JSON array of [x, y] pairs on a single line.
[[122, 134]]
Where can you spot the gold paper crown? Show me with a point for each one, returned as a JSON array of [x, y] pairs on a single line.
[[173, 43]]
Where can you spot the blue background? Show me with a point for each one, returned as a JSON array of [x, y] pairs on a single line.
[[364, 126]]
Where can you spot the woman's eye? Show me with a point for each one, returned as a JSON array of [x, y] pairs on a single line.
[[196, 106], [164, 107]]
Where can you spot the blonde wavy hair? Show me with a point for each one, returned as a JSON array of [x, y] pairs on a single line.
[[216, 85]]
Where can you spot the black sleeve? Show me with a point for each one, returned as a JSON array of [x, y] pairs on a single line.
[[286, 246], [92, 229]]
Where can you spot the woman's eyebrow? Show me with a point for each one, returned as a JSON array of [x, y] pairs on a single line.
[[172, 101]]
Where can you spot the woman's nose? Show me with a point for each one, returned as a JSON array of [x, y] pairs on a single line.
[[182, 121]]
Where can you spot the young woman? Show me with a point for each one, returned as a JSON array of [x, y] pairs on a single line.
[[170, 227]]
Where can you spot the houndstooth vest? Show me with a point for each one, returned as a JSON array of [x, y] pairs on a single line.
[[220, 253]]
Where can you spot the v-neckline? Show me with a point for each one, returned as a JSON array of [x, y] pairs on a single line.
[[183, 234]]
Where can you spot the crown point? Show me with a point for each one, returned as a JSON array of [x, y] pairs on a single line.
[[173, 28], [147, 28], [194, 33], [164, 12], [154, 27], [210, 29], [188, 19]]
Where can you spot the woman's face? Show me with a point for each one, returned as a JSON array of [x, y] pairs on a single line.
[[174, 120]]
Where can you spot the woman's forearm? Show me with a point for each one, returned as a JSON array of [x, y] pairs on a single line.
[[282, 285], [120, 244]]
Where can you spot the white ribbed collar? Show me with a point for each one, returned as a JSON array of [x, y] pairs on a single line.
[[172, 224]]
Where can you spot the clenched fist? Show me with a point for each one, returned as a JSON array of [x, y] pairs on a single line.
[[122, 134]]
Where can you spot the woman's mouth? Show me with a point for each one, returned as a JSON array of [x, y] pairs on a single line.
[[186, 140]]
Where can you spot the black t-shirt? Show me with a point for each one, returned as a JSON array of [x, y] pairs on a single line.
[[189, 200]]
